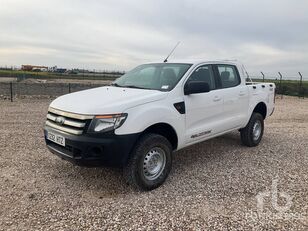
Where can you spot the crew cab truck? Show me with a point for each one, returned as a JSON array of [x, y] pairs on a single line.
[[156, 109]]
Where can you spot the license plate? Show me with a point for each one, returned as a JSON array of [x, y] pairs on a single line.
[[56, 138]]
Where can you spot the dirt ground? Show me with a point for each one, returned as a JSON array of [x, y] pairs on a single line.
[[217, 184], [7, 79], [81, 81]]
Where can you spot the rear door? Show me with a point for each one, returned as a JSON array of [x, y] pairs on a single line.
[[204, 111], [235, 96]]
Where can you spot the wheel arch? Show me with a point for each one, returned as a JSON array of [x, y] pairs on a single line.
[[261, 108], [165, 130]]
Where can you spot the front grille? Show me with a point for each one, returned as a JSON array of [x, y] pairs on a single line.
[[67, 122]]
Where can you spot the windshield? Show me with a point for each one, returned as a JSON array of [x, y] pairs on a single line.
[[157, 76]]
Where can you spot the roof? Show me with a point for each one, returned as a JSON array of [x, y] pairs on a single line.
[[200, 61]]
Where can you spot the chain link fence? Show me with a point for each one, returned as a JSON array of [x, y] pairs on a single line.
[[11, 90], [286, 85], [43, 88], [78, 75]]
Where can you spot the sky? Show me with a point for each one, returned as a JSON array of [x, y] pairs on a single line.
[[268, 36]]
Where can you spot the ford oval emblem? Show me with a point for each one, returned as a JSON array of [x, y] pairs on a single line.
[[60, 120]]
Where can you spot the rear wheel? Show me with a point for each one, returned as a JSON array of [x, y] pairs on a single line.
[[252, 134], [149, 163]]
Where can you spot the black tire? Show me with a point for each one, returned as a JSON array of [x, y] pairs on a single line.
[[134, 171], [247, 134]]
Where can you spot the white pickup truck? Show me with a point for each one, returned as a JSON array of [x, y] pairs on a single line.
[[155, 109]]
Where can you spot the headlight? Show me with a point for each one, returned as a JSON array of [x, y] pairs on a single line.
[[105, 123]]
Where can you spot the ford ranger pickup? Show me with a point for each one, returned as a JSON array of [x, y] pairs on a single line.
[[144, 116]]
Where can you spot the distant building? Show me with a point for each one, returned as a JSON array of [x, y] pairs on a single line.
[[53, 69], [33, 68], [61, 70]]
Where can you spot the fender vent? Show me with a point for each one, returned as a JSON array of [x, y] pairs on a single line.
[[180, 107]]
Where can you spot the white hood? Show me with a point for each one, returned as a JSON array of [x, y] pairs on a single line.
[[105, 100]]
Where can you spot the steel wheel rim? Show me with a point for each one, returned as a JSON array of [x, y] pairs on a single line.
[[256, 131], [154, 163]]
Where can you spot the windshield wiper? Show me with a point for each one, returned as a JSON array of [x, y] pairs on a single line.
[[133, 86], [128, 86], [115, 84]]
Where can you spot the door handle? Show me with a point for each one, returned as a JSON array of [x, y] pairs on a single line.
[[216, 99], [241, 93]]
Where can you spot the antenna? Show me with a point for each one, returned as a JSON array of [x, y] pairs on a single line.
[[166, 59]]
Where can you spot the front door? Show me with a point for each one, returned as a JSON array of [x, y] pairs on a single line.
[[204, 111]]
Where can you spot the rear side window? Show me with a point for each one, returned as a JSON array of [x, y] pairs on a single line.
[[204, 74], [228, 76]]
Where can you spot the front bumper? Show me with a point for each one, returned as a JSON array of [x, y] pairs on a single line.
[[99, 149]]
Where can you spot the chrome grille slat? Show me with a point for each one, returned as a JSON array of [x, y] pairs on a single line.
[[71, 123], [69, 114], [51, 117]]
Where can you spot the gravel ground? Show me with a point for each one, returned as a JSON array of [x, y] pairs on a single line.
[[213, 185]]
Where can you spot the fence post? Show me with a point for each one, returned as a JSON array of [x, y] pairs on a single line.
[[280, 84], [300, 86], [11, 90], [262, 75], [69, 88]]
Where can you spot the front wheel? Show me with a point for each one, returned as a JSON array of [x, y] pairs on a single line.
[[149, 163], [252, 134]]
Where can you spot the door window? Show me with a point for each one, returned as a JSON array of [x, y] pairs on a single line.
[[228, 76], [203, 74]]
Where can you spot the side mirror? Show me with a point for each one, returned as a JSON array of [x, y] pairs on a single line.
[[195, 87]]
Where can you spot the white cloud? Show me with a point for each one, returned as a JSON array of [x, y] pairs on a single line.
[[265, 35]]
